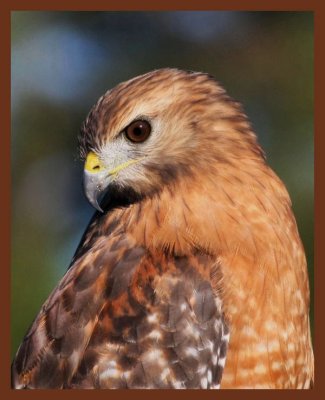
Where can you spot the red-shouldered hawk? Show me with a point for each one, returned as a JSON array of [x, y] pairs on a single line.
[[192, 273]]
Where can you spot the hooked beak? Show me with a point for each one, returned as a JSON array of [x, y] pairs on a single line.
[[93, 189], [95, 180], [97, 177]]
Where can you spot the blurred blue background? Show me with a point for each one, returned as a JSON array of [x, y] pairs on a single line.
[[63, 61]]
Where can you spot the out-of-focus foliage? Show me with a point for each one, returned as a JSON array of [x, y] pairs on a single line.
[[63, 61]]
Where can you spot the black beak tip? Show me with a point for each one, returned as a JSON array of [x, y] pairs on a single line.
[[97, 206]]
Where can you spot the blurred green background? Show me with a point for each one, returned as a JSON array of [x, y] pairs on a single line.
[[63, 61]]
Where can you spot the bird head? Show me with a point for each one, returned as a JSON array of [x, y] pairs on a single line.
[[145, 133]]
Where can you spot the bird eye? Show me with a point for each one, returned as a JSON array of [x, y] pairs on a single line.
[[138, 131]]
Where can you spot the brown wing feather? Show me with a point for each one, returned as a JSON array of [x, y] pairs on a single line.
[[124, 317], [54, 346]]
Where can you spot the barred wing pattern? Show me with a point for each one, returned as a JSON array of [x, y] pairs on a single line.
[[124, 318]]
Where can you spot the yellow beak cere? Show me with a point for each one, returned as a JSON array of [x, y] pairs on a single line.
[[93, 163]]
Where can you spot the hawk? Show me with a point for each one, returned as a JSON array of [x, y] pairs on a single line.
[[191, 273]]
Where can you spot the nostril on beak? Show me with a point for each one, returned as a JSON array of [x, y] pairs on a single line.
[[92, 163]]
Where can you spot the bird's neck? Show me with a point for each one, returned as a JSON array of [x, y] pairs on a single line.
[[227, 211]]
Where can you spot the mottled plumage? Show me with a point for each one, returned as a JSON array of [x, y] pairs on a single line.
[[197, 247]]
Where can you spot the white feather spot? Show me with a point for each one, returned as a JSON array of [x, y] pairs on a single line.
[[271, 326], [209, 376], [222, 362], [215, 386], [260, 369], [215, 359], [127, 374], [226, 337], [178, 385], [217, 324], [190, 330], [165, 373], [261, 348], [155, 334], [192, 351], [110, 373], [154, 355], [152, 318], [276, 365], [204, 383]]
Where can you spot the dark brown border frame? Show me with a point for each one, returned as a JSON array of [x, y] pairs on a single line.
[[6, 7]]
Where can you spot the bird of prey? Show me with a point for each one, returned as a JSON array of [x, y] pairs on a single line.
[[191, 273]]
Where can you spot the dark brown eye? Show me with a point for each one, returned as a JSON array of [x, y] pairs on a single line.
[[138, 131]]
